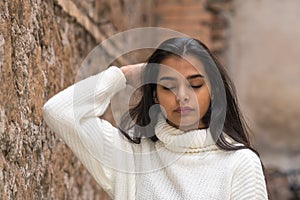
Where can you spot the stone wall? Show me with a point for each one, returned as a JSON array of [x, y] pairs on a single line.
[[42, 44]]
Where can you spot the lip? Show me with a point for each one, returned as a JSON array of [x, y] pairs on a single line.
[[183, 110]]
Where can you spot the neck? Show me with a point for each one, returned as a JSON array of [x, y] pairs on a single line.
[[197, 126]]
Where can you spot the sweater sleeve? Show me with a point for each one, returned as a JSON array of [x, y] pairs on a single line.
[[248, 179], [73, 115]]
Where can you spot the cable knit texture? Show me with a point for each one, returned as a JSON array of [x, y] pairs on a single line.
[[181, 165], [186, 142]]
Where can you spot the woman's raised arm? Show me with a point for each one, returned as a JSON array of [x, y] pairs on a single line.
[[74, 113]]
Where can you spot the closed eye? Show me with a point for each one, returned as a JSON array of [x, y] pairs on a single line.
[[168, 88], [196, 86]]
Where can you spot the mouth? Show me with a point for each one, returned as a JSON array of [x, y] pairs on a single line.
[[183, 110]]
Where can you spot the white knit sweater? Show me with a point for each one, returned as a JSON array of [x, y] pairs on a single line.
[[181, 165]]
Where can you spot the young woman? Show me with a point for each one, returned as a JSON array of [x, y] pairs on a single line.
[[185, 138]]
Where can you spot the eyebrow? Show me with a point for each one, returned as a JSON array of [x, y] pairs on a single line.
[[189, 77], [195, 76]]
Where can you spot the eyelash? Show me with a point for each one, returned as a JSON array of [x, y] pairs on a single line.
[[192, 86], [196, 86]]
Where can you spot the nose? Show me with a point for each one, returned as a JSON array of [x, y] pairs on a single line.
[[182, 95]]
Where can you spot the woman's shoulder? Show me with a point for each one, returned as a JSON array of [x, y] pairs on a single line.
[[243, 154], [245, 159], [246, 154]]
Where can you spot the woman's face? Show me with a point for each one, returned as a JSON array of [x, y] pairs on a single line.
[[182, 92]]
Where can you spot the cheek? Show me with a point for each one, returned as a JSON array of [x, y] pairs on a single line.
[[166, 99], [203, 102], [204, 107]]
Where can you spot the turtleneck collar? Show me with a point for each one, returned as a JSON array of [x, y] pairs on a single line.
[[174, 139]]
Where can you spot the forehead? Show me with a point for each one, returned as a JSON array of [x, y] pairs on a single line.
[[179, 66]]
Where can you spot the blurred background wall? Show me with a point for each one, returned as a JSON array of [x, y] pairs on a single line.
[[42, 44], [263, 58]]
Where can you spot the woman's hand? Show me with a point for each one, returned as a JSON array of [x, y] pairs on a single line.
[[133, 74]]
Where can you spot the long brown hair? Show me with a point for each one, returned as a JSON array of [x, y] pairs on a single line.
[[233, 124]]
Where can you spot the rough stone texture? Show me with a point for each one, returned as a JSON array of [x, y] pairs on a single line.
[[42, 44]]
